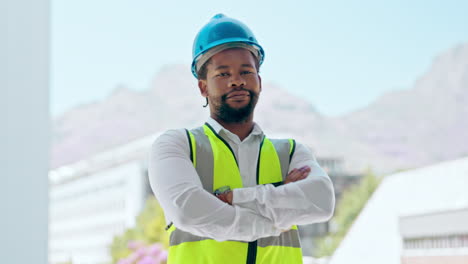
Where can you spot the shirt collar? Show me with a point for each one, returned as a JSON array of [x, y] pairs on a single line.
[[218, 127]]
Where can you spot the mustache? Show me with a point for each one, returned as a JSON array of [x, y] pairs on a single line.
[[225, 96]]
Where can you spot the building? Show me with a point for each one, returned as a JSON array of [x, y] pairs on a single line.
[[437, 237], [95, 199], [400, 220]]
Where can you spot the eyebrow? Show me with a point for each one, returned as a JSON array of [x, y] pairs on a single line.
[[221, 67], [247, 65], [226, 67]]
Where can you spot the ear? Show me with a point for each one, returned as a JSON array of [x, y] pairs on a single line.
[[260, 82], [202, 87]]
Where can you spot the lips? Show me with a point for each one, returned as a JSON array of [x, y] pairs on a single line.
[[238, 95]]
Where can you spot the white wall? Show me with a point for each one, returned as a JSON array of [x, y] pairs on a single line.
[[24, 130]]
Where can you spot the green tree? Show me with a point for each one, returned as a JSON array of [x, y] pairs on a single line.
[[347, 209], [149, 229]]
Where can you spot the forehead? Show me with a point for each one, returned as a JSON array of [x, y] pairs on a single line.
[[233, 56]]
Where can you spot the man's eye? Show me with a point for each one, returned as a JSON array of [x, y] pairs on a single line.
[[223, 74], [246, 72]]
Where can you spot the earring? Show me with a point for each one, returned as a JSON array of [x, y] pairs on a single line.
[[206, 102]]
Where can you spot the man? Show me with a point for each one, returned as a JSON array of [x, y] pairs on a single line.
[[231, 194]]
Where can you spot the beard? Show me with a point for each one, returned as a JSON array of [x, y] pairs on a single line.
[[235, 115]]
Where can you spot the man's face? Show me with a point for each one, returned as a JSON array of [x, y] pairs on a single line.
[[232, 85]]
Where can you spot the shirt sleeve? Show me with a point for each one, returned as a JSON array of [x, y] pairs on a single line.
[[179, 190], [307, 201]]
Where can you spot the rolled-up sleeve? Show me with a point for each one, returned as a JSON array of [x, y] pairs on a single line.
[[307, 201], [178, 189]]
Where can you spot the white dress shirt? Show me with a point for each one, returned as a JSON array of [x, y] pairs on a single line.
[[257, 210]]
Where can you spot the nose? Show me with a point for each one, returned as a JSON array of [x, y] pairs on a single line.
[[236, 80]]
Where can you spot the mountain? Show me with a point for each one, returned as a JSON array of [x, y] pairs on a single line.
[[173, 101], [126, 115], [402, 129], [422, 125]]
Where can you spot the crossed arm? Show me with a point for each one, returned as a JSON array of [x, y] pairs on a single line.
[[293, 176], [254, 212]]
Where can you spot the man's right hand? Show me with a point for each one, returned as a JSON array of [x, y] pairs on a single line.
[[297, 174]]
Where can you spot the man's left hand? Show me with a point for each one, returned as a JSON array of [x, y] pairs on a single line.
[[226, 197]]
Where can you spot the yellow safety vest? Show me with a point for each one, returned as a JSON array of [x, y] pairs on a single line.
[[217, 166]]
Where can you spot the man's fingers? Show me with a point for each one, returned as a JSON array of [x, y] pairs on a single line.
[[301, 177], [305, 170], [301, 171], [221, 197], [297, 174], [293, 176], [294, 172]]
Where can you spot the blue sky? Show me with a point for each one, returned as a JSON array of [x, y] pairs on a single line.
[[339, 55]]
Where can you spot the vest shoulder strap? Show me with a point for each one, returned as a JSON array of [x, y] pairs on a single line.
[[202, 157], [285, 149]]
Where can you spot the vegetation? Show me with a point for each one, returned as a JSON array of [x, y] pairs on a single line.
[[347, 209], [149, 229]]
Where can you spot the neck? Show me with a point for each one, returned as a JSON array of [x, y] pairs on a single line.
[[241, 129]]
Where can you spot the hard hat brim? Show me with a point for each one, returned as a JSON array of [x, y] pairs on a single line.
[[225, 44]]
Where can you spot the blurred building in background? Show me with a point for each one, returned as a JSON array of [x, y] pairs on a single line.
[[95, 199], [438, 237], [415, 216]]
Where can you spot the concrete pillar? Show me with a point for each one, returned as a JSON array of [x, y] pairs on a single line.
[[24, 130]]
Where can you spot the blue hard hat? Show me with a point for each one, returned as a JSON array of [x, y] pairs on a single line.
[[223, 30]]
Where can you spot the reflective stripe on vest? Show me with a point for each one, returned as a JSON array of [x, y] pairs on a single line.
[[217, 166]]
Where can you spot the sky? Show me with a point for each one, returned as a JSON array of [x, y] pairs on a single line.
[[338, 55]]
